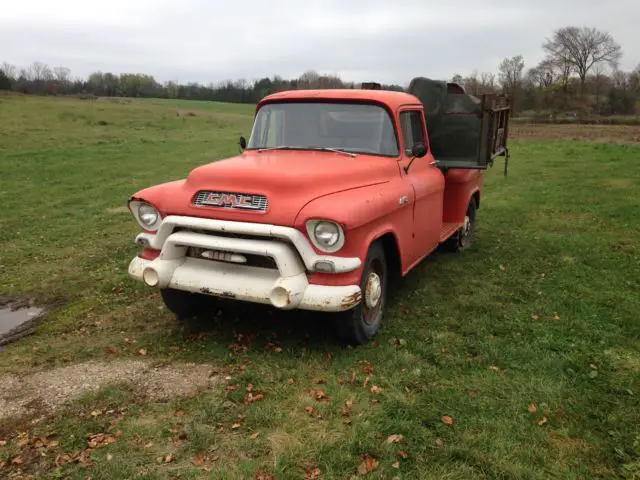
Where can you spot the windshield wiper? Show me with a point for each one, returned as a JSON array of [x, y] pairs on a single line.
[[284, 147], [321, 149], [337, 150]]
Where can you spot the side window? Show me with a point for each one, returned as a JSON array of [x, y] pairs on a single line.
[[412, 129]]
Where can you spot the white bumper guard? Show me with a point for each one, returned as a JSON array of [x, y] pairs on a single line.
[[284, 287]]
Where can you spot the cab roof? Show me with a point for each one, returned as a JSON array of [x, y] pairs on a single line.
[[387, 97]]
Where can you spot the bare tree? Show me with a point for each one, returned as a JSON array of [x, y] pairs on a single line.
[[9, 70], [37, 71], [582, 48], [488, 81], [511, 72], [61, 74]]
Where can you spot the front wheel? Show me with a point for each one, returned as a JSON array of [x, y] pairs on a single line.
[[359, 325]]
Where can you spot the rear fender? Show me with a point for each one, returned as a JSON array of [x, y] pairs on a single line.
[[460, 187]]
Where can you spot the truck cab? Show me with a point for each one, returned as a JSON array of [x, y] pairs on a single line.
[[335, 194]]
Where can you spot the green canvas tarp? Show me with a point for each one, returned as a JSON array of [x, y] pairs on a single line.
[[454, 120]]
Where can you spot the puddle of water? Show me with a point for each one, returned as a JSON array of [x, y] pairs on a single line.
[[11, 319]]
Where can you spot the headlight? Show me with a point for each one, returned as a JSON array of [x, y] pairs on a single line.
[[146, 214], [325, 235]]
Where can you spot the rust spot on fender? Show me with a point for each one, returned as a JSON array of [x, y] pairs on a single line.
[[352, 300]]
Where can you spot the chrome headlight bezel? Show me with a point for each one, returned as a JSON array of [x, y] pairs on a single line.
[[138, 208], [312, 228]]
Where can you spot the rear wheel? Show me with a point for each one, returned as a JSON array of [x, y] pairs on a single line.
[[359, 325], [465, 236], [185, 304]]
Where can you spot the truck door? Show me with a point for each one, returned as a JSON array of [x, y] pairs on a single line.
[[427, 183]]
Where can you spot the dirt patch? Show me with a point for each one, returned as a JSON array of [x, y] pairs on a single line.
[[18, 317], [44, 392], [596, 133]]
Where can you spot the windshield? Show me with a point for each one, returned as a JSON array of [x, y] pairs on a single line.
[[351, 127]]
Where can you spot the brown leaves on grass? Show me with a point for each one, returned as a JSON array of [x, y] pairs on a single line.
[[402, 454], [251, 398], [532, 408], [199, 460], [142, 352], [260, 475], [395, 464], [312, 473], [179, 413], [395, 438], [542, 421], [376, 389], [309, 411], [439, 443], [3, 443], [254, 436], [100, 440], [320, 396], [368, 464], [447, 420]]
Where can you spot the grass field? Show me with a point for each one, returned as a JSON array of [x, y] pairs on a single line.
[[519, 358]]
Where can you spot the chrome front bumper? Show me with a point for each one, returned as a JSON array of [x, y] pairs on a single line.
[[284, 287]]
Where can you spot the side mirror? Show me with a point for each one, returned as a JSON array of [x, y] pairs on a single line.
[[419, 150], [242, 143]]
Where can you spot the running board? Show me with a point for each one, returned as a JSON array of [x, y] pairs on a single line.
[[448, 229]]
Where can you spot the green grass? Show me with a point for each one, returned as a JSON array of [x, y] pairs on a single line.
[[544, 309]]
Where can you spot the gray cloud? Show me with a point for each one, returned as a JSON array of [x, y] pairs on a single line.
[[199, 40]]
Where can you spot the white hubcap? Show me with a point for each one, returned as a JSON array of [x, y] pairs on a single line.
[[373, 290], [467, 225]]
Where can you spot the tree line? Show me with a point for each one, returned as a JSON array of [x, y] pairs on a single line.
[[579, 74]]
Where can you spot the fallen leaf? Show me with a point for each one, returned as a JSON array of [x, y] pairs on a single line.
[[535, 317], [179, 413], [395, 464], [353, 376], [395, 438], [309, 410], [277, 349], [199, 460], [260, 475], [394, 341], [3, 443], [235, 426], [142, 352], [474, 394], [532, 408], [402, 454], [254, 436], [368, 464], [17, 460], [109, 457], [503, 268], [320, 396], [251, 398], [376, 389], [290, 381], [556, 317], [447, 420], [439, 443], [542, 421], [110, 351], [494, 368], [169, 458], [341, 380], [313, 473], [148, 445], [250, 387]]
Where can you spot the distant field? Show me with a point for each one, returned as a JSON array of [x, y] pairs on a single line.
[[517, 359]]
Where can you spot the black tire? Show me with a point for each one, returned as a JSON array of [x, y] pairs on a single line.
[[358, 325], [464, 237], [185, 304]]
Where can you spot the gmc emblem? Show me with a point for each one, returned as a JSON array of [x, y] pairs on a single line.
[[241, 201]]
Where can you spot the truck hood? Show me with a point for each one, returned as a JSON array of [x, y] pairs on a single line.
[[289, 180]]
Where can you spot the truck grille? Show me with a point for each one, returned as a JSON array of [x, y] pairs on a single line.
[[260, 261], [231, 200]]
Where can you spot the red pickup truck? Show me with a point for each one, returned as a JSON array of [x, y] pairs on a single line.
[[335, 194]]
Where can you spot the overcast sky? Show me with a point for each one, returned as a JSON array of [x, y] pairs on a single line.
[[360, 40]]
